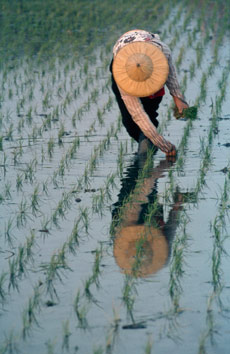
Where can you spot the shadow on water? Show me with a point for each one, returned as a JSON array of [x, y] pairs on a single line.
[[141, 238]]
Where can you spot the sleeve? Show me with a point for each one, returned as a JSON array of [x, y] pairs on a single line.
[[172, 81], [140, 117]]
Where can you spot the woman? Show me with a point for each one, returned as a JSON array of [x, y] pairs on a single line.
[[141, 65]]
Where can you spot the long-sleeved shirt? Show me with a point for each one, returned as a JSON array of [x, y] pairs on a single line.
[[133, 104]]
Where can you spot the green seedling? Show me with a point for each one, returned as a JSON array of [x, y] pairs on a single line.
[[9, 133], [1, 198], [112, 333], [45, 188], [29, 316], [29, 116], [65, 336], [98, 350], [84, 217], [13, 265], [128, 295], [61, 133], [73, 240], [22, 214], [81, 311], [1, 143], [8, 230], [50, 345], [87, 291], [29, 245], [189, 113], [7, 192], [29, 171], [50, 147], [35, 200], [16, 155], [10, 344], [96, 267], [98, 202], [45, 225], [149, 346], [3, 293], [21, 260]]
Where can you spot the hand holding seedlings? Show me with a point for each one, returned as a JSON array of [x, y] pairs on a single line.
[[140, 68], [180, 104], [172, 152], [189, 113]]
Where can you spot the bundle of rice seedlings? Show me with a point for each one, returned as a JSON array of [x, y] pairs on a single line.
[[189, 113]]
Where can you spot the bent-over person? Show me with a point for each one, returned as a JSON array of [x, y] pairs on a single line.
[[142, 65]]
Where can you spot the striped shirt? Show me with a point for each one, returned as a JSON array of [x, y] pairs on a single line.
[[133, 104]]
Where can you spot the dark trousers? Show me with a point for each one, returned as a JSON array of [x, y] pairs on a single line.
[[150, 106]]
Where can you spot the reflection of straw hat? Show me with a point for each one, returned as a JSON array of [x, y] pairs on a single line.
[[155, 249], [140, 69]]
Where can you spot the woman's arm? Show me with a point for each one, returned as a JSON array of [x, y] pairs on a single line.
[[140, 117]]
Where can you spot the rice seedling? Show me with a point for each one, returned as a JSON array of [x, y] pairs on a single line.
[[84, 218], [10, 344], [50, 147], [50, 345], [1, 143], [9, 225], [29, 245], [35, 200], [98, 202], [180, 57], [112, 333], [120, 159], [96, 267], [19, 182], [3, 293], [98, 350], [22, 214], [128, 295], [149, 346], [29, 171], [81, 311], [29, 316], [53, 271], [73, 239], [45, 188], [61, 133], [7, 192], [45, 225], [46, 101], [13, 281], [3, 163], [177, 264], [21, 261], [66, 334]]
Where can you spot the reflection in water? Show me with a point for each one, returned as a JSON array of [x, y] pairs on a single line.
[[142, 240]]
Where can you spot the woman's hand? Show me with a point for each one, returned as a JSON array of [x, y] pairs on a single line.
[[180, 104], [172, 152]]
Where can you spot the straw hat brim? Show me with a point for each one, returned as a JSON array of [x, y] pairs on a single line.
[[140, 79], [155, 249]]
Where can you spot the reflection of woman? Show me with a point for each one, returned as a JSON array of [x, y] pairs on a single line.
[[139, 248]]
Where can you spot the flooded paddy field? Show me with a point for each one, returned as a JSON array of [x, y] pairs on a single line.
[[101, 251]]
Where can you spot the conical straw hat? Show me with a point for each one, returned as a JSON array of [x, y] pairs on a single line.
[[140, 69], [155, 249]]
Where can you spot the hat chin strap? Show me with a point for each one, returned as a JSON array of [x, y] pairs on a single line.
[[139, 67]]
